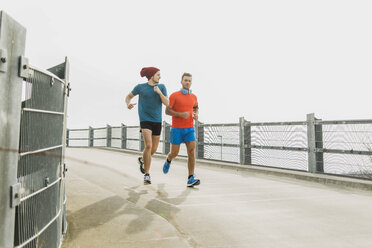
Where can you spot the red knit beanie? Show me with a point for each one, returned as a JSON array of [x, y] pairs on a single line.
[[149, 72]]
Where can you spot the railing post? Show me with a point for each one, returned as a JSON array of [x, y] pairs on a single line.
[[315, 140], [68, 137], [199, 130], [141, 142], [12, 46], [91, 136], [166, 128], [123, 136], [245, 141], [108, 135]]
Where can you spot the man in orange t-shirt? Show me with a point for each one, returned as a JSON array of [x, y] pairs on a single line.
[[183, 107]]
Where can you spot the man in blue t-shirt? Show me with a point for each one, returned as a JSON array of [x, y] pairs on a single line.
[[151, 97]]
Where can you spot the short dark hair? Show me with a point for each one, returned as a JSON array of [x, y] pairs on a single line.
[[186, 74]]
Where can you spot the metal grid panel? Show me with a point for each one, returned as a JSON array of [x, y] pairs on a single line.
[[219, 136], [133, 145], [39, 168], [283, 136], [78, 137], [116, 137], [40, 130], [116, 132], [133, 133], [297, 160], [44, 92], [348, 165], [99, 133], [35, 169], [80, 134], [34, 215], [350, 137]]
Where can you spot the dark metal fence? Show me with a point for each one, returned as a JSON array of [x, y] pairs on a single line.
[[35, 211], [334, 147]]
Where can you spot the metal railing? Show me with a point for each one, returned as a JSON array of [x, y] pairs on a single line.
[[35, 202], [333, 147]]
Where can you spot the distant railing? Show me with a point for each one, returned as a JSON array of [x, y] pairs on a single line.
[[332, 147]]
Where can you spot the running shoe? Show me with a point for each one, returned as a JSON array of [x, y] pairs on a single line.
[[141, 165], [166, 166], [192, 181], [147, 179]]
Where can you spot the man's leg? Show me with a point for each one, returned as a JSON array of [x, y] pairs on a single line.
[[147, 137], [174, 152], [191, 156], [175, 149], [191, 181], [155, 143]]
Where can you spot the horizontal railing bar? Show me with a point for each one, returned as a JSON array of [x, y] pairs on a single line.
[[286, 148], [132, 126], [48, 73], [295, 123], [343, 122], [41, 231], [40, 190], [43, 111], [77, 138], [98, 128], [77, 129], [220, 125], [340, 151], [40, 150], [219, 144]]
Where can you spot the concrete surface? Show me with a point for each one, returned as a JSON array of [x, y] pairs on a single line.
[[108, 206]]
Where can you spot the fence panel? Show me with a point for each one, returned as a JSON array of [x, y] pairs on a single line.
[[335, 147], [41, 211]]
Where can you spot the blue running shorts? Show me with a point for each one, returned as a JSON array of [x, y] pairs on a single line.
[[182, 135]]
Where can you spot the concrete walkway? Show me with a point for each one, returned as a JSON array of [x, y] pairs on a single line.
[[108, 206]]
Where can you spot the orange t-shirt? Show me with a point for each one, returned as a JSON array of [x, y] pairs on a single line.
[[182, 103]]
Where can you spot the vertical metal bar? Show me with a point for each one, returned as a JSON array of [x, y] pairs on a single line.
[[167, 128], [319, 144], [247, 143], [315, 140], [67, 137], [241, 140], [141, 142], [91, 136], [163, 136], [200, 134], [123, 136], [108, 135], [12, 44]]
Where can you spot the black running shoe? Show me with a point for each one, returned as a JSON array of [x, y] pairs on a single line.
[[141, 165], [147, 179]]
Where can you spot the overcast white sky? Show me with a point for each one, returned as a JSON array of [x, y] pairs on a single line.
[[264, 60]]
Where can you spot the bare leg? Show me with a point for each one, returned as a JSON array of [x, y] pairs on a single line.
[[175, 149], [155, 143], [191, 156], [147, 133]]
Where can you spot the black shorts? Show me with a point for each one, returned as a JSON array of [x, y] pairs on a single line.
[[155, 127]]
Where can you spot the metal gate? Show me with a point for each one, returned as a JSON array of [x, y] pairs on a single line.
[[35, 214]]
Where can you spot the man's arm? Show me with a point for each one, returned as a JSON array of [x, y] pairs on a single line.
[[128, 99], [169, 111], [195, 114], [163, 98]]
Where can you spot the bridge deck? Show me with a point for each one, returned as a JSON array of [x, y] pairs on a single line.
[[108, 206]]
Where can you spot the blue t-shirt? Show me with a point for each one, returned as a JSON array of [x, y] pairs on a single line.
[[149, 103]]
